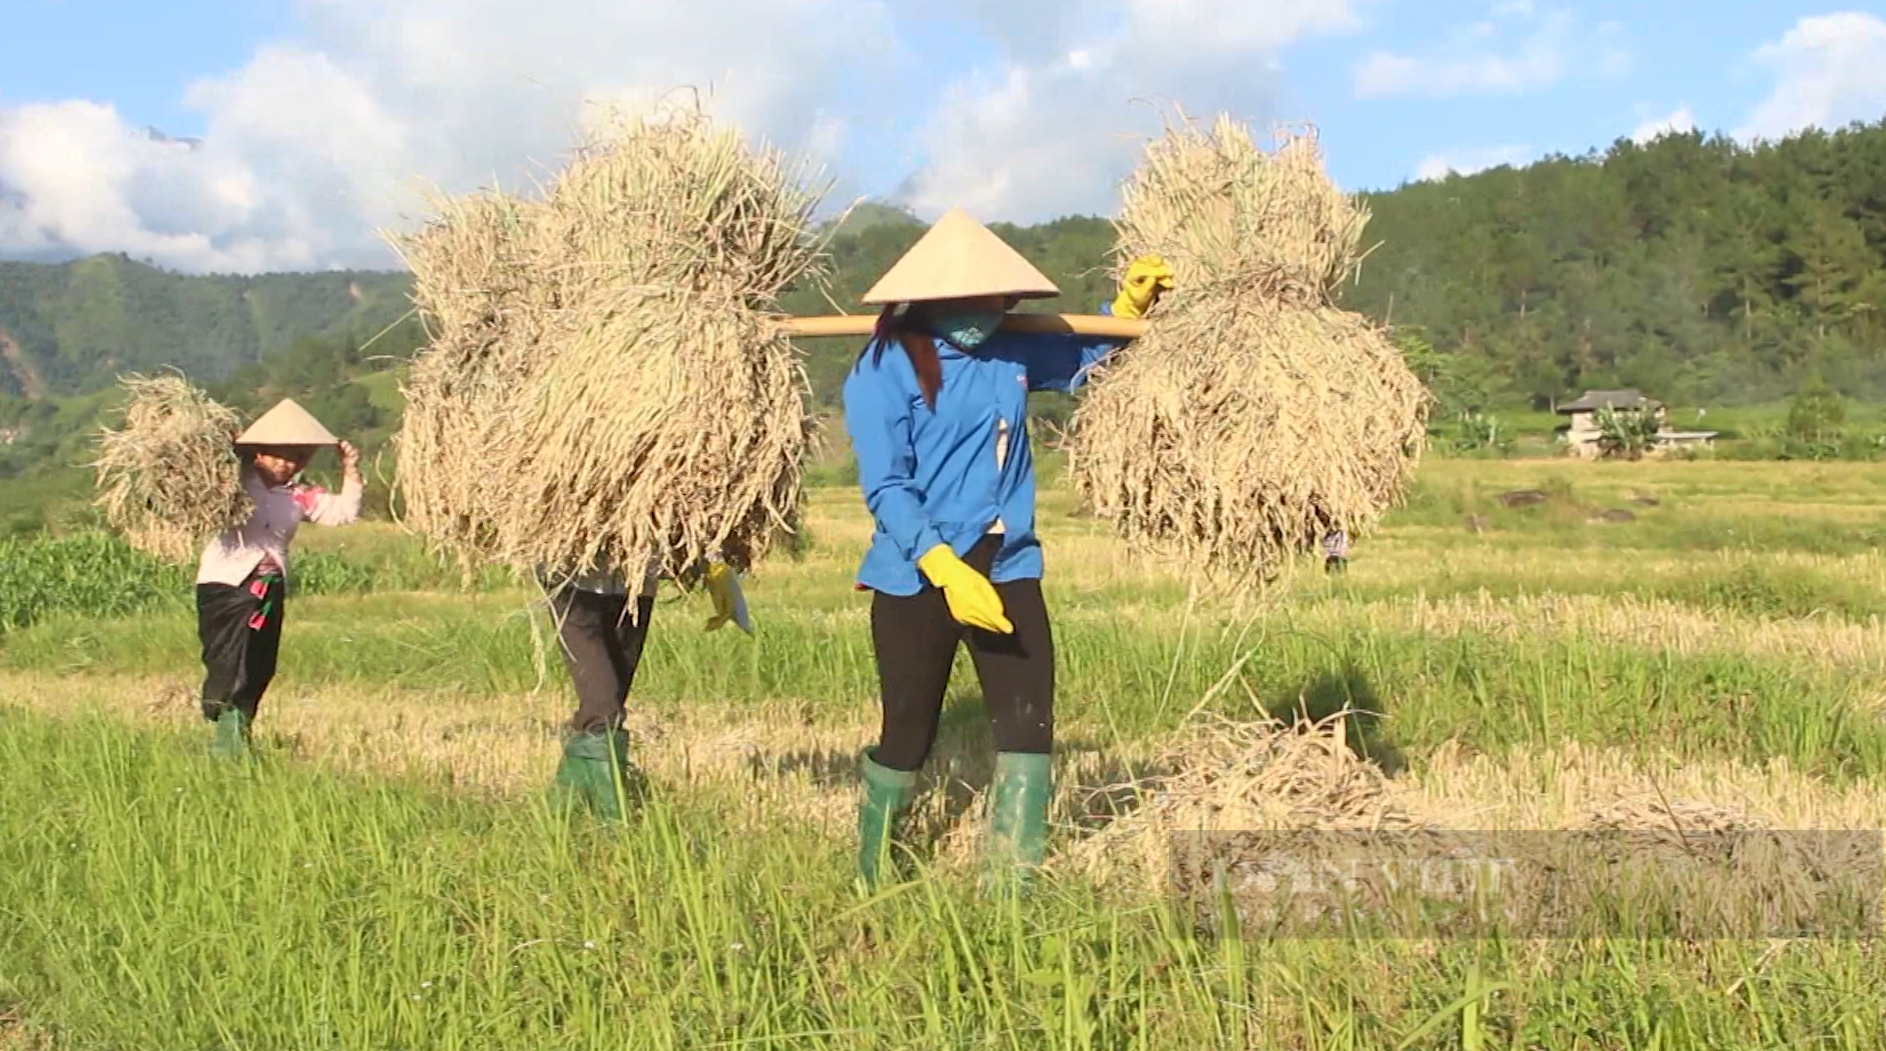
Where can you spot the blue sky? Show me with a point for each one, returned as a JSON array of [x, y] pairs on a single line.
[[138, 56], [317, 116], [1666, 55]]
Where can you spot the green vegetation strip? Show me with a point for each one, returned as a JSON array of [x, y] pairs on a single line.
[[1129, 678], [1751, 588], [156, 899], [97, 575]]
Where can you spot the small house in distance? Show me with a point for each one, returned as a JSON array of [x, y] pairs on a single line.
[[1584, 432]]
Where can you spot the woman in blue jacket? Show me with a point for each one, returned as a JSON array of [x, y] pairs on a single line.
[[937, 408]]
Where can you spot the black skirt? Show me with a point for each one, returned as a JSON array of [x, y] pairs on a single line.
[[241, 632]]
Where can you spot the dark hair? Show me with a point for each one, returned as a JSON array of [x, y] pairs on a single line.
[[919, 346]]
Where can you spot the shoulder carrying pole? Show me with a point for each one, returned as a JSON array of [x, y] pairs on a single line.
[[1098, 325]]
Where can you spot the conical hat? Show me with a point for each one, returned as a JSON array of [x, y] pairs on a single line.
[[287, 424], [959, 258]]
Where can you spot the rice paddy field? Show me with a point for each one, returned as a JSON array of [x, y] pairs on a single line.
[[1668, 641]]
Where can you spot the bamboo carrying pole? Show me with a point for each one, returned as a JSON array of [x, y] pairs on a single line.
[[1099, 325]]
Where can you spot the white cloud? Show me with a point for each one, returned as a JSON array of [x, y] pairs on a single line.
[[1829, 70], [1054, 133], [311, 145], [1681, 122], [79, 176], [321, 138], [1173, 30], [1436, 166], [1485, 58]]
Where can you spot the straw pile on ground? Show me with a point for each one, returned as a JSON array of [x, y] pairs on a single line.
[[169, 480], [1287, 827], [607, 385], [1254, 416], [1242, 777]]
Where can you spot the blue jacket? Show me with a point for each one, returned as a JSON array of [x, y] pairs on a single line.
[[931, 478]]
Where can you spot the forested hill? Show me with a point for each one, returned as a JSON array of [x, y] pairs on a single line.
[[1693, 268], [71, 328]]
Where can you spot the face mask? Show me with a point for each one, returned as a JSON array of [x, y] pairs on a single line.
[[969, 330]]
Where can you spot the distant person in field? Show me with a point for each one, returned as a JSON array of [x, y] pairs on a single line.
[[1335, 551], [937, 410], [602, 641], [241, 581]]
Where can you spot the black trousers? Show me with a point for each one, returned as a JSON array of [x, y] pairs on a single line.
[[602, 646], [238, 660], [916, 641]]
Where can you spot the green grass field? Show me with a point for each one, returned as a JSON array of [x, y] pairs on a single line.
[[387, 878]]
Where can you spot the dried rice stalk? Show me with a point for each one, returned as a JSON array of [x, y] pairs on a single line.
[[704, 457], [1223, 212], [1655, 815], [1253, 416], [169, 480], [1289, 827], [472, 286], [1242, 777], [605, 386]]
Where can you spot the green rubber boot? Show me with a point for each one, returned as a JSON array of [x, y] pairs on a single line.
[[231, 740], [1018, 818], [885, 797], [596, 775]]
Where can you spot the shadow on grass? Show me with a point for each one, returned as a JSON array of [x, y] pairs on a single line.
[[1346, 689]]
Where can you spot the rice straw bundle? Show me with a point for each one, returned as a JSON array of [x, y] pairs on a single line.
[[1237, 777], [607, 383], [451, 393], [670, 201], [1294, 831], [702, 457], [1222, 210], [1254, 416], [169, 480], [470, 279]]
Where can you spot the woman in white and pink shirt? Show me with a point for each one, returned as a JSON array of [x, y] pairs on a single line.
[[242, 578]]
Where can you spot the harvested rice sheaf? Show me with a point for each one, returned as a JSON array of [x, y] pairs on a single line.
[[471, 286], [1254, 416], [449, 396], [1231, 777], [168, 479], [703, 457], [607, 384], [1289, 826]]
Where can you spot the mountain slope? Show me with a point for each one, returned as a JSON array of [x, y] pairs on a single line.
[[1694, 268], [71, 328]]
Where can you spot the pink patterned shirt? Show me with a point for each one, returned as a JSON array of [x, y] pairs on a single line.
[[262, 542]]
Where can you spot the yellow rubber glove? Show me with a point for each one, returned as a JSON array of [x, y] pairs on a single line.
[[972, 599], [1146, 278], [719, 580]]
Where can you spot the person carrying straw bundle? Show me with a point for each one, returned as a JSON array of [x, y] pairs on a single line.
[[608, 387], [602, 641], [936, 406], [242, 576]]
